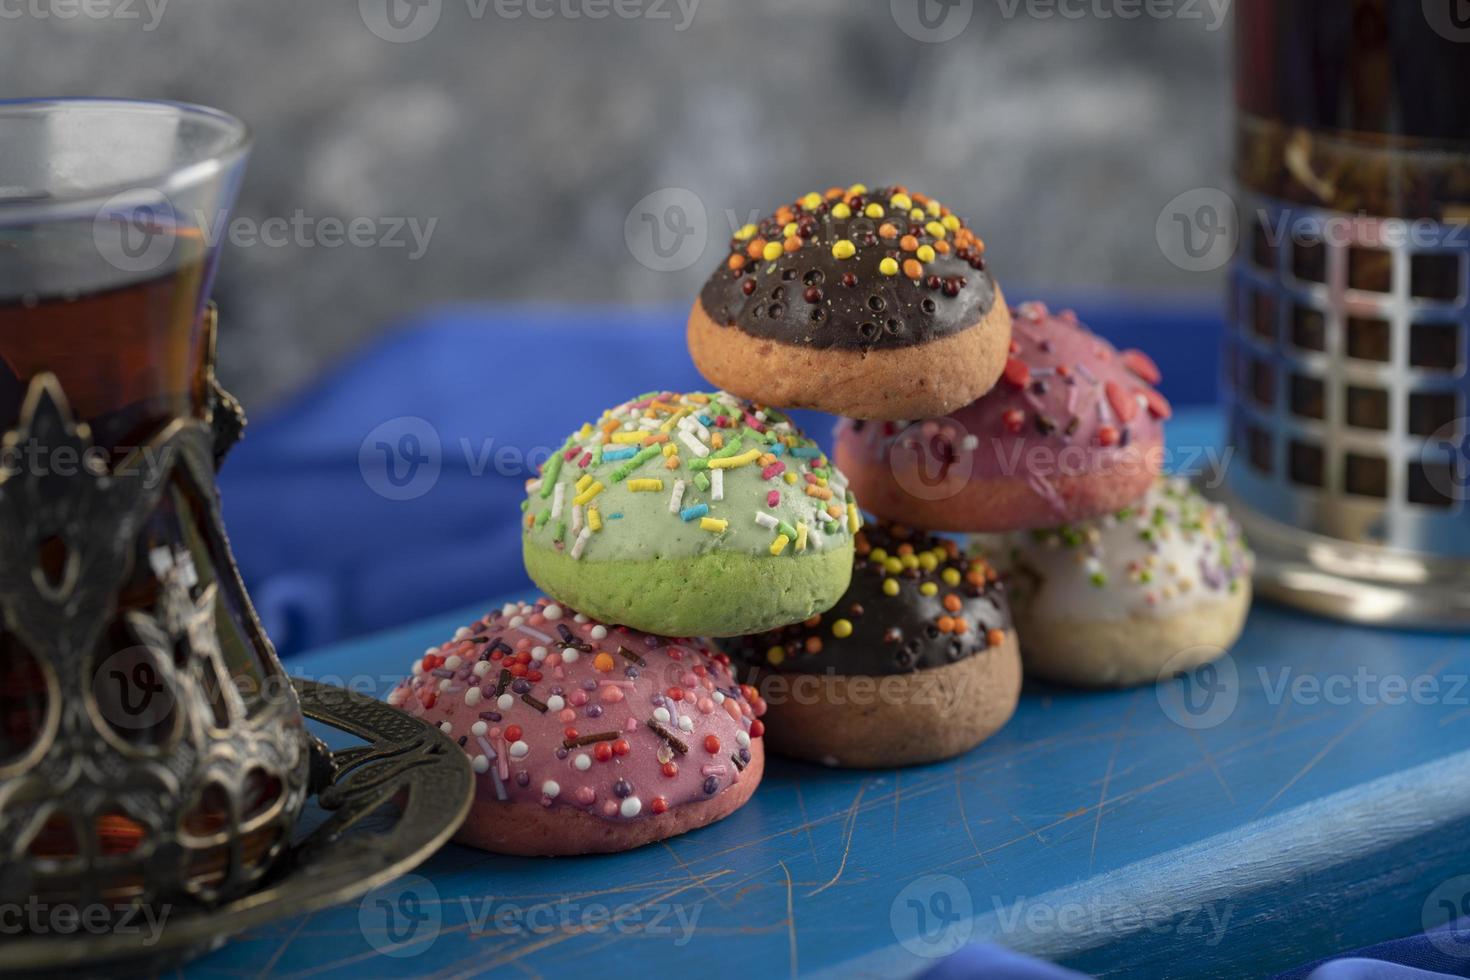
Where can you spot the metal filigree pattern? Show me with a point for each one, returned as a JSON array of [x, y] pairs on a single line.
[[390, 803], [167, 760]]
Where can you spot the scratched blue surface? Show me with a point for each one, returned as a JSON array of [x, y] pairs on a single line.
[[1270, 829]]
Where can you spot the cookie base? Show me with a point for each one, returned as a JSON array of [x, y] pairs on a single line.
[[531, 830], [920, 381], [1132, 651], [866, 722], [719, 593], [1000, 503]]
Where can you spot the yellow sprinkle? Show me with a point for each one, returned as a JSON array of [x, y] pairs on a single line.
[[902, 201], [715, 524], [854, 520], [746, 233], [917, 214], [928, 588], [646, 486], [857, 189], [585, 430], [584, 482], [800, 536], [910, 561], [874, 210], [790, 230], [592, 490], [842, 629], [812, 201], [951, 577], [841, 210], [779, 545], [927, 562], [843, 249], [628, 438], [889, 266], [878, 554], [934, 208], [890, 586], [772, 251], [670, 449], [950, 221], [925, 253], [672, 420], [594, 519], [731, 462], [893, 566], [790, 477], [775, 655], [936, 229]]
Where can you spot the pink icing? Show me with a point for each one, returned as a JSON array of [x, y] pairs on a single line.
[[1056, 409], [525, 688]]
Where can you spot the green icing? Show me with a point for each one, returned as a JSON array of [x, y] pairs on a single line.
[[716, 594], [647, 530]]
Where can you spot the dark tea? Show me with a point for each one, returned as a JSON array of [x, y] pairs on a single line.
[[124, 341]]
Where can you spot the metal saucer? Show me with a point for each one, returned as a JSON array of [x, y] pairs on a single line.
[[377, 811]]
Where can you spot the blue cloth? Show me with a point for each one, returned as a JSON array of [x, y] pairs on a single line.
[[333, 544]]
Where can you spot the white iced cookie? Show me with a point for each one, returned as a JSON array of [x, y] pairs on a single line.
[[1109, 602]]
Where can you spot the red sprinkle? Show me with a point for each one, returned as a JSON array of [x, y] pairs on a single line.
[[1142, 365], [603, 751], [621, 747], [773, 471], [773, 499], [1158, 405], [1017, 373], [1107, 435], [513, 733], [757, 728], [712, 744], [1014, 419], [1125, 405], [659, 804], [671, 769]]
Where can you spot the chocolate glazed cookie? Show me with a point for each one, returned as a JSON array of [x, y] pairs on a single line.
[[917, 662], [873, 304]]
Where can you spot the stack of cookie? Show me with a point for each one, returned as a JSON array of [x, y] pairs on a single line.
[[1032, 432]]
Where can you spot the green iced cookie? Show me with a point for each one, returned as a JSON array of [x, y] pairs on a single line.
[[691, 515]]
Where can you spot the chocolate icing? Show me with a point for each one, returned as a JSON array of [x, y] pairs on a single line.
[[800, 298], [892, 634]]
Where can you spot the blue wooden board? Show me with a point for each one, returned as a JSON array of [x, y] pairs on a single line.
[[1290, 804]]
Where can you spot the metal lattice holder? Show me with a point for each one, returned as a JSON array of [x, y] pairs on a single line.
[[1345, 373]]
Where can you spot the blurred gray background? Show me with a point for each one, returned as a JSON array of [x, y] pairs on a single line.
[[529, 131]]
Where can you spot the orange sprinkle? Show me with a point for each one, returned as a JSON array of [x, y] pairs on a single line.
[[833, 193], [814, 644], [995, 637], [755, 248], [656, 438], [784, 215], [908, 243], [861, 544], [821, 493], [766, 459], [792, 244], [672, 463], [975, 577], [920, 197], [814, 622], [960, 626], [906, 549], [912, 268], [737, 261], [945, 624], [952, 602], [836, 512], [603, 662], [716, 441], [887, 230], [942, 247]]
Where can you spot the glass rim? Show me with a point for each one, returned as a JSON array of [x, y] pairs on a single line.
[[236, 144]]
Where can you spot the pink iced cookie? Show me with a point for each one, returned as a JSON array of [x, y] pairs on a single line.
[[587, 738], [1074, 429]]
